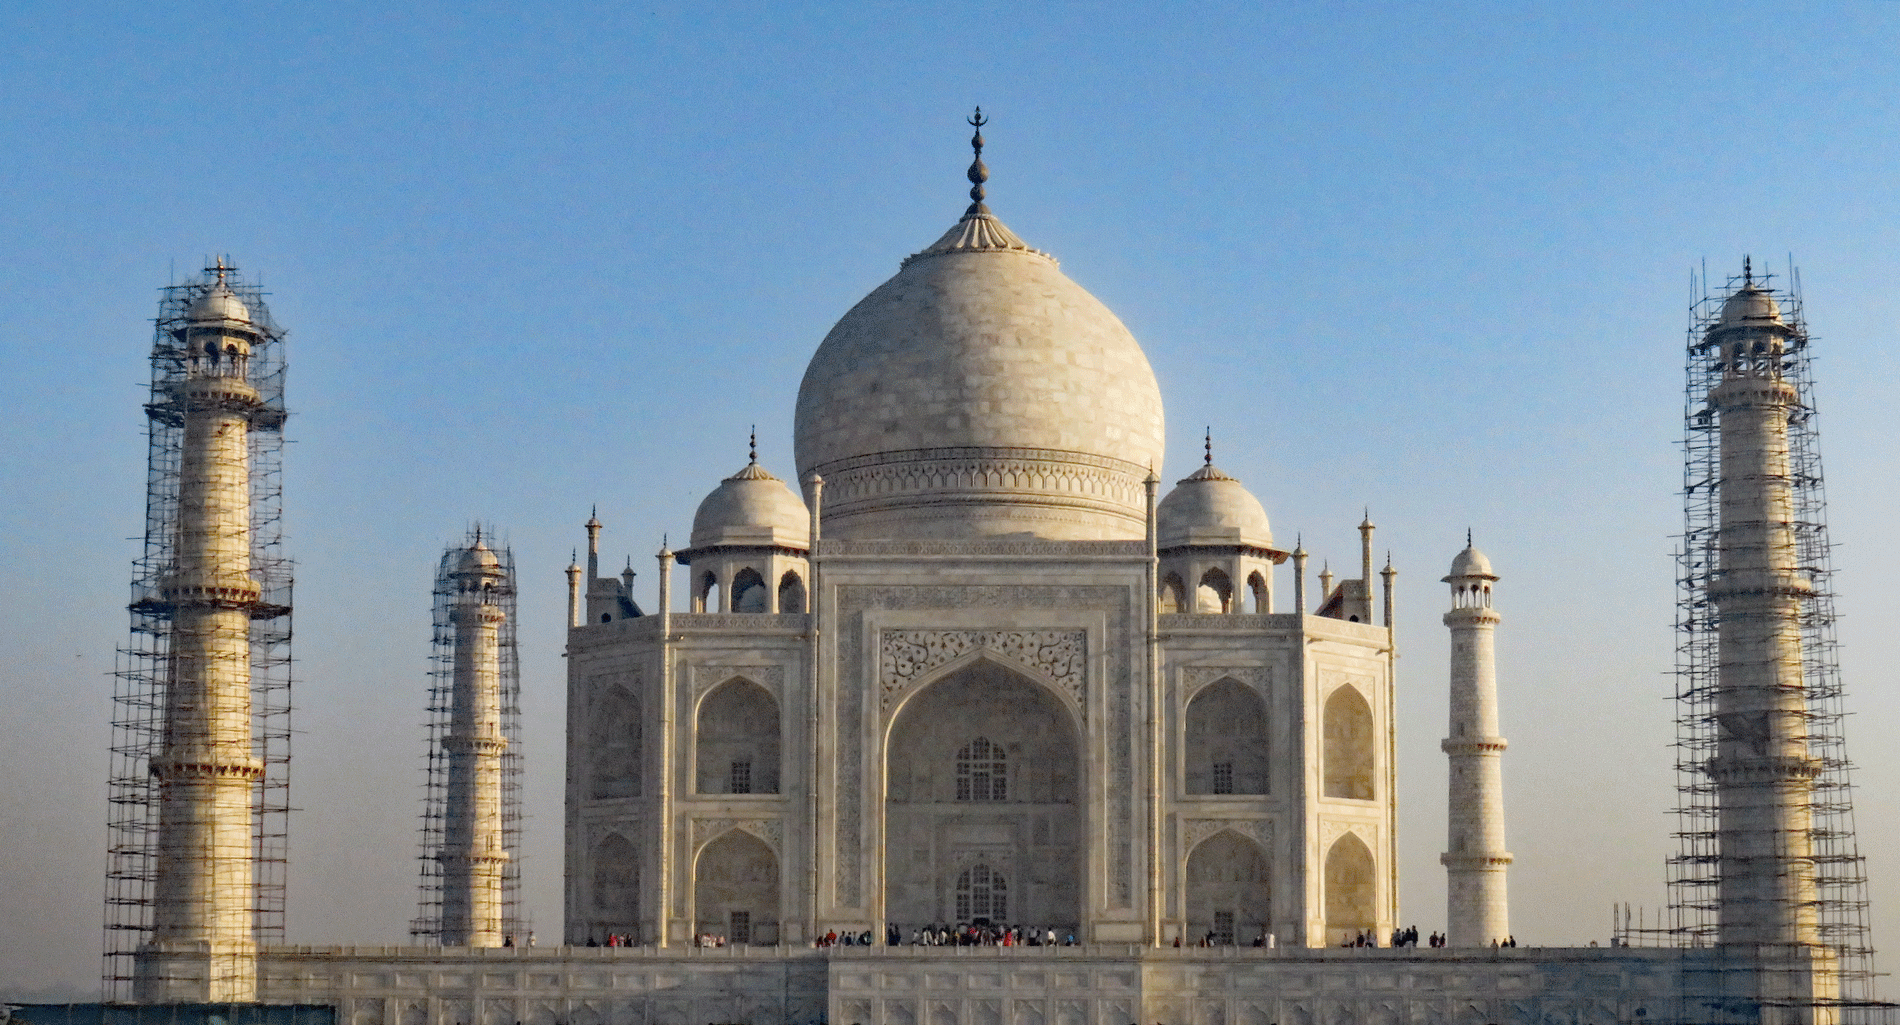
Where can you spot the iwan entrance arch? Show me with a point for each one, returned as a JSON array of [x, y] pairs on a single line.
[[984, 816]]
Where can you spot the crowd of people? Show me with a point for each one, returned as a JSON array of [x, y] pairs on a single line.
[[983, 934]]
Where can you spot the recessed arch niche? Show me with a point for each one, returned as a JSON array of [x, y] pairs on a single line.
[[1350, 751], [736, 890], [1225, 740], [1027, 831], [1351, 890], [736, 742], [1229, 889]]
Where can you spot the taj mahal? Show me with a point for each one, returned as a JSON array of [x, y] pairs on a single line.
[[973, 660]]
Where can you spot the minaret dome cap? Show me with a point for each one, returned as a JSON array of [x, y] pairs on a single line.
[[1470, 563], [1752, 306], [218, 303]]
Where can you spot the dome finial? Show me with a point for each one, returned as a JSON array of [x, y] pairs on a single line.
[[752, 458], [1748, 272], [220, 268], [1467, 537], [1209, 444], [978, 174]]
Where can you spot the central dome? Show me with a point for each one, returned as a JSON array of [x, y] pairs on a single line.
[[980, 393]]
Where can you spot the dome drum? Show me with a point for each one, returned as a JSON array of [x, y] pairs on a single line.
[[975, 491]]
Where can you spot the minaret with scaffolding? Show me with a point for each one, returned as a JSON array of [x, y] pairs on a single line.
[[472, 813], [1769, 870], [201, 732]]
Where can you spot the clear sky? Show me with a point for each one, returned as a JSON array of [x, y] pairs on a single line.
[[1430, 258]]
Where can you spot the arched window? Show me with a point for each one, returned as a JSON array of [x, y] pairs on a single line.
[[737, 748], [791, 593], [982, 895], [707, 600], [982, 772], [613, 743], [1260, 592], [1173, 595], [1225, 743], [1349, 745], [748, 592], [1215, 593]]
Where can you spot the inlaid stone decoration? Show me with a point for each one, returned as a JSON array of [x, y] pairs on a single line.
[[906, 655]]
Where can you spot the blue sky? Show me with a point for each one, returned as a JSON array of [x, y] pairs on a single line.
[[1424, 257]]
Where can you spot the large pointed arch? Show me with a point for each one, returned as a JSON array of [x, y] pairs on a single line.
[[1033, 837]]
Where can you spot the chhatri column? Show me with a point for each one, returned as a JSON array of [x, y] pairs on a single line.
[[202, 947], [473, 856], [1476, 904]]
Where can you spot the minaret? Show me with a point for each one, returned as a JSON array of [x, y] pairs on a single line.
[[1762, 770], [202, 945], [574, 591], [474, 855], [1476, 904], [1299, 577]]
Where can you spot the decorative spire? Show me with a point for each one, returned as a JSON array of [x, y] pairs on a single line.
[[978, 174], [1748, 267], [220, 269], [1210, 446], [1467, 537], [753, 446]]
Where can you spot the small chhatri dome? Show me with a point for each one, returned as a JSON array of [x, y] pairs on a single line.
[[1210, 508], [980, 393], [1470, 563], [752, 507], [218, 302]]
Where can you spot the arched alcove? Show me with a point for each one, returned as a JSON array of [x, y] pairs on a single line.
[[1224, 743], [1259, 593], [984, 767], [748, 592], [1351, 890], [1350, 748], [616, 905], [706, 593], [791, 592], [1215, 593], [613, 745], [736, 890], [736, 749], [1229, 889], [1173, 597]]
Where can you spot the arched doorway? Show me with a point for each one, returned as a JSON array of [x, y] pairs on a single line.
[[983, 808], [735, 890], [1351, 891], [1229, 892]]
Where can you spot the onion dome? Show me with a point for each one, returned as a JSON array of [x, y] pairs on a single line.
[[752, 507], [1211, 508], [1470, 563], [980, 393], [478, 558]]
